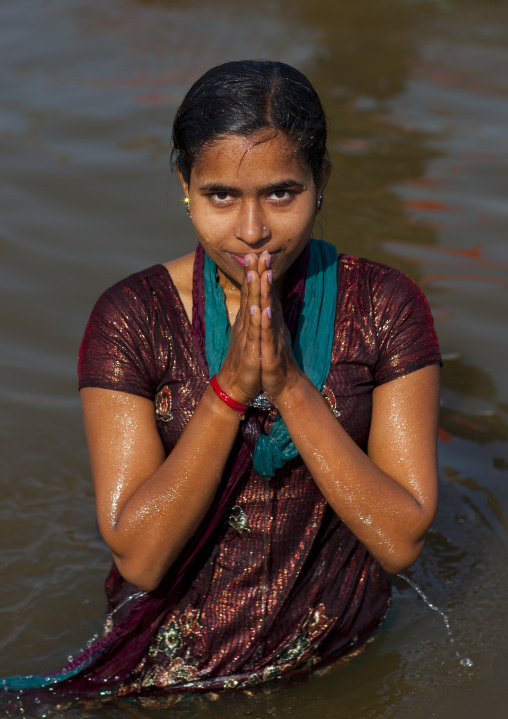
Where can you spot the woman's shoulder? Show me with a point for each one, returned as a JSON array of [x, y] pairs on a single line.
[[362, 274], [125, 344], [165, 280], [181, 274], [137, 284], [367, 267], [180, 271]]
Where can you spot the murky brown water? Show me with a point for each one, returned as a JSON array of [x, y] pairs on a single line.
[[418, 107]]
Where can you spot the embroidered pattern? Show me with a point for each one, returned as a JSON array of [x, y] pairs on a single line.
[[238, 520], [189, 621], [294, 652], [317, 621], [169, 638], [297, 651], [163, 405], [330, 398], [177, 672]]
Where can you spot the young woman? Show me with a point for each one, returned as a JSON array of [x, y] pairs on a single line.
[[261, 415]]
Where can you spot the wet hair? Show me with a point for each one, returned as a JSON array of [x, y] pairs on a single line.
[[242, 98]]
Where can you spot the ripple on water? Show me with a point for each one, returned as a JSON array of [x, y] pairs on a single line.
[[421, 155]]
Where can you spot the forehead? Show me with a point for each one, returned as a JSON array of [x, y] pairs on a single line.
[[251, 158]]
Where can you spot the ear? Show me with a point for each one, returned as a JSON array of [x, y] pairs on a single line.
[[184, 185], [326, 171]]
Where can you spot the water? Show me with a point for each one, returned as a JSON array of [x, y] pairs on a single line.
[[418, 112], [463, 661]]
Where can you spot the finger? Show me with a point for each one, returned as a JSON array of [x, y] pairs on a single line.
[[249, 289], [253, 308], [253, 261], [266, 325], [254, 328], [240, 374], [247, 269], [266, 289], [252, 288], [264, 262], [275, 337], [269, 299], [251, 355]]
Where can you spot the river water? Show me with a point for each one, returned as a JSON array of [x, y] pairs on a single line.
[[418, 109]]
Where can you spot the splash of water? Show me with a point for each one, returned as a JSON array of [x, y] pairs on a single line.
[[463, 661]]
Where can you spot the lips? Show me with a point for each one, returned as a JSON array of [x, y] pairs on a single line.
[[240, 258]]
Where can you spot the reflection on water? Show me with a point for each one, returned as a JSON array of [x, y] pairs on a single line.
[[418, 114]]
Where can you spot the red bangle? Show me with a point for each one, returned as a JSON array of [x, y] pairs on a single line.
[[238, 406]]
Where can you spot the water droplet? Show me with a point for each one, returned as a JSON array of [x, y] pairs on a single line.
[[463, 661]]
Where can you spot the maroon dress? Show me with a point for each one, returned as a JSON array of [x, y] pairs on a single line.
[[284, 585]]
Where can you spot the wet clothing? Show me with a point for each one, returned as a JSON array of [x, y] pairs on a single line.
[[279, 583]]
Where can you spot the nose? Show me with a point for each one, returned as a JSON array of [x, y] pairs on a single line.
[[251, 224]]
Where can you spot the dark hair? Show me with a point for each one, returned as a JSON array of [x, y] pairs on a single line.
[[246, 96]]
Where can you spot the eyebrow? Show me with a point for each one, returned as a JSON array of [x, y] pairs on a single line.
[[282, 185]]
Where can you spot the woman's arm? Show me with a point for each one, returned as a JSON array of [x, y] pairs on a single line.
[[387, 498], [148, 506]]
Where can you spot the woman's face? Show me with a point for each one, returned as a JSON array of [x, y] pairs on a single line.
[[252, 195]]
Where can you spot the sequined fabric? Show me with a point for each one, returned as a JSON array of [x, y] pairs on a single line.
[[285, 585]]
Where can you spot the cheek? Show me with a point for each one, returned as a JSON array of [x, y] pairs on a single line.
[[209, 227], [300, 224]]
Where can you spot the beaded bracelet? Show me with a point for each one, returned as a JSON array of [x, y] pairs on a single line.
[[237, 406]]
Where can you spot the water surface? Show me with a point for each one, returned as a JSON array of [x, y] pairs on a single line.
[[418, 112]]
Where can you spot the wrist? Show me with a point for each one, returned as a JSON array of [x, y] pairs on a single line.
[[231, 402], [232, 385], [219, 409], [293, 391]]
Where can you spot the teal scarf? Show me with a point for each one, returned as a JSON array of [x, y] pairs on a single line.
[[312, 346]]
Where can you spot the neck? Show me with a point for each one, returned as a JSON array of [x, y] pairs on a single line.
[[232, 295]]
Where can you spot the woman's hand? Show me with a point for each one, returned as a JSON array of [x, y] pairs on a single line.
[[259, 358], [278, 365], [240, 375]]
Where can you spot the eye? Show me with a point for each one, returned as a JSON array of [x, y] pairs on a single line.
[[220, 197], [280, 195]]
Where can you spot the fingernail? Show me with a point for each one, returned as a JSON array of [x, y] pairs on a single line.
[[270, 278], [246, 262], [249, 276], [269, 312], [268, 259], [252, 309]]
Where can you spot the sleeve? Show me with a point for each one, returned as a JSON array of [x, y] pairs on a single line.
[[407, 339], [116, 351]]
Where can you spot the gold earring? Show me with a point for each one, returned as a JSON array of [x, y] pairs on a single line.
[[187, 206]]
